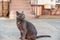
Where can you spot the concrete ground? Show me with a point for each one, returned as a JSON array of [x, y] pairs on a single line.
[[9, 30]]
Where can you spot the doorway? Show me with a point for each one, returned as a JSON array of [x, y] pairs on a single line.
[[4, 9]]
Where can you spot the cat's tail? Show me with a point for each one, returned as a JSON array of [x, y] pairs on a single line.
[[41, 36]]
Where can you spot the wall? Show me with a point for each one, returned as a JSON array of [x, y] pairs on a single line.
[[40, 2]]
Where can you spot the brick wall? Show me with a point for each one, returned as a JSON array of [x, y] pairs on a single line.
[[20, 5]]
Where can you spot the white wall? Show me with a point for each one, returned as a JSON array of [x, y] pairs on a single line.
[[41, 2], [44, 1]]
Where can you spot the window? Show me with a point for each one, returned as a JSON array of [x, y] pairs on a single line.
[[57, 0]]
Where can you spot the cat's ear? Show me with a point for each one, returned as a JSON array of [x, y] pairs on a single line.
[[17, 13], [22, 11]]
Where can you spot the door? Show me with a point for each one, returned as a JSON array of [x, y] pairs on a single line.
[[4, 8], [0, 8]]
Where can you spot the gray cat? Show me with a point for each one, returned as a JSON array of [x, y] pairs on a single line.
[[27, 29]]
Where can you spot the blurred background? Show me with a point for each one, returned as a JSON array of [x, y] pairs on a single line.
[[44, 14]]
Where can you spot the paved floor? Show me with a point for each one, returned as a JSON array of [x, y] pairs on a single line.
[[9, 31]]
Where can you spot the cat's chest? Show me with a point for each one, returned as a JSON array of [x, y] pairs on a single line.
[[19, 24]]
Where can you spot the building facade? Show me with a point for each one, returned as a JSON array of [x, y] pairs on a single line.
[[36, 7], [49, 7]]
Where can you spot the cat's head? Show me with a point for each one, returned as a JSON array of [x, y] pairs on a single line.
[[20, 16]]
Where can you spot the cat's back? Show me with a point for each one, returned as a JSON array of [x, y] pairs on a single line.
[[31, 27], [30, 24]]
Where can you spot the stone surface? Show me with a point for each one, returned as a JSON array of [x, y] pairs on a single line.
[[9, 30]]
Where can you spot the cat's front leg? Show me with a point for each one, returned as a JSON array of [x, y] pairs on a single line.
[[23, 35], [23, 31]]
